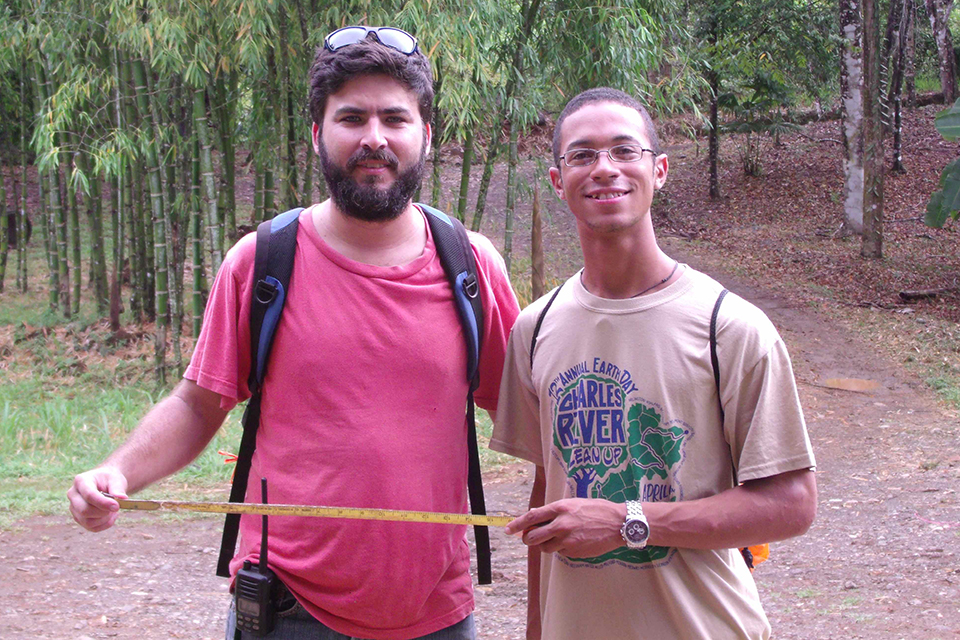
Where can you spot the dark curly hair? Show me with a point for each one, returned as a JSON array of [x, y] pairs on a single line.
[[331, 69]]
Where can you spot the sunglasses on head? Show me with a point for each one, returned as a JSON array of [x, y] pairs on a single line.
[[396, 39]]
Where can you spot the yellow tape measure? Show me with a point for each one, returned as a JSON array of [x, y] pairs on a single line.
[[315, 512]]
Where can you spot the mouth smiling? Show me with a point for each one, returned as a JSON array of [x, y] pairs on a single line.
[[606, 195]]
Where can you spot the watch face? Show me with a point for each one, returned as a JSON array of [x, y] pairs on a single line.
[[636, 531]]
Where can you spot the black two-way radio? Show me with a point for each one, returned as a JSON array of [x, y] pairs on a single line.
[[256, 587]]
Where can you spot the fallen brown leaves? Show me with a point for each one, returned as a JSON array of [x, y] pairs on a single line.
[[782, 227]]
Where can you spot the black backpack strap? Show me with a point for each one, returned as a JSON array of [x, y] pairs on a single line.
[[273, 264], [536, 328], [456, 256], [713, 349], [745, 551]]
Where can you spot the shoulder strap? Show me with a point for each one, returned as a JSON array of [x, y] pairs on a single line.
[[713, 349], [456, 256], [536, 328], [272, 267], [746, 552]]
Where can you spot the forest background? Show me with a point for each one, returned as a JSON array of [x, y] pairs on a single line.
[[139, 140]]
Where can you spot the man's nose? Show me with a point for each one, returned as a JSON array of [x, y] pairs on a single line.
[[373, 137], [604, 166]]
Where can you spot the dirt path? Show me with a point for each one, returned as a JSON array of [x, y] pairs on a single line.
[[881, 561]]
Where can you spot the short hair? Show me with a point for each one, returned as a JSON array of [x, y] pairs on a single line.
[[331, 69], [604, 94]]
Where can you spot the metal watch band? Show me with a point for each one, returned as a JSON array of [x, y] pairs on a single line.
[[635, 529], [634, 510]]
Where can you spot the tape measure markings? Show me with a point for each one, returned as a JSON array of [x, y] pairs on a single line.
[[247, 508]]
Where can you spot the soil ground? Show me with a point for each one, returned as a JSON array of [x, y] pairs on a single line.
[[882, 560]]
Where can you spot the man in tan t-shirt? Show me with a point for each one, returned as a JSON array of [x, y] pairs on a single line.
[[652, 474]]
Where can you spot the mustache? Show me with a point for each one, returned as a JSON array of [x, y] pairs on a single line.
[[363, 155]]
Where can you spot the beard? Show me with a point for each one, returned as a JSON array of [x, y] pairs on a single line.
[[367, 201]]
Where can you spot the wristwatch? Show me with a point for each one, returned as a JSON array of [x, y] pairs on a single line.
[[635, 529]]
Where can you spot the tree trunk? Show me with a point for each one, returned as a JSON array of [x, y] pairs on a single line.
[[137, 261], [197, 237], [94, 207], [257, 215], [22, 274], [132, 187], [293, 173], [713, 79], [851, 101], [288, 135], [58, 215], [4, 226], [897, 166], [537, 271], [116, 209], [939, 13], [278, 103], [890, 62], [909, 66], [512, 188], [529, 14], [308, 177], [22, 281], [465, 176], [74, 209], [116, 278], [436, 186], [226, 95], [873, 158], [269, 194], [214, 226], [714, 137], [896, 84], [48, 230], [493, 150]]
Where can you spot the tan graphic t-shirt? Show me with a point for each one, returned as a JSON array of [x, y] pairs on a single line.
[[621, 404]]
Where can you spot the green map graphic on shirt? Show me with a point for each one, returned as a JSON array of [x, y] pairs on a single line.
[[613, 448]]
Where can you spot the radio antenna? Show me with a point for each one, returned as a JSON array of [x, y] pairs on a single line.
[[263, 532]]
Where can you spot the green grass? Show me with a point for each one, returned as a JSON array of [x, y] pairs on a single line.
[[69, 396], [489, 459], [947, 387], [54, 425]]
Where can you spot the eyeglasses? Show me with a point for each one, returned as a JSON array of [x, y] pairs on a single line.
[[392, 37], [619, 153]]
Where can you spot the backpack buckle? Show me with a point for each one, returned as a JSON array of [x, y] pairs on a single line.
[[471, 287], [265, 292]]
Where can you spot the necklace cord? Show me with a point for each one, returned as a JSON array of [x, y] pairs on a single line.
[[676, 265]]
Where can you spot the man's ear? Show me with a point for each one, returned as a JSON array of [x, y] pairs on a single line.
[[315, 136], [557, 182], [429, 138], [661, 167]]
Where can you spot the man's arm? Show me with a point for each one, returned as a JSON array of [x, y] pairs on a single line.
[[758, 511], [170, 436]]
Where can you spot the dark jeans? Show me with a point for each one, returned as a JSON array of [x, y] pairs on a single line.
[[294, 623]]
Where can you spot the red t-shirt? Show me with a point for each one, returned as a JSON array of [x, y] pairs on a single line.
[[363, 406]]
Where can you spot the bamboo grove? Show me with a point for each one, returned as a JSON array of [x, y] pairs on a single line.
[[137, 117], [138, 120]]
